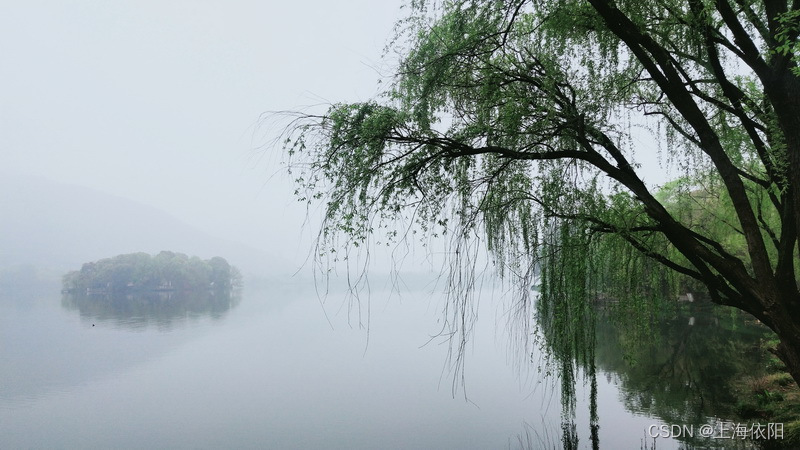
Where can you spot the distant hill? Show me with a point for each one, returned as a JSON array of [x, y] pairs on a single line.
[[56, 227]]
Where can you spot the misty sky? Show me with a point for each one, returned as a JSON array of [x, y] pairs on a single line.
[[159, 101]]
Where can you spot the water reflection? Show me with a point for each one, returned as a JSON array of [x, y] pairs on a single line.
[[163, 310], [275, 360], [47, 349], [682, 367], [684, 372]]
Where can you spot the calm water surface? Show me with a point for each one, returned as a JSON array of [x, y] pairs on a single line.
[[274, 369]]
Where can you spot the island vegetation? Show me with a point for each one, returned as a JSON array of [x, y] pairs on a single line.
[[141, 272]]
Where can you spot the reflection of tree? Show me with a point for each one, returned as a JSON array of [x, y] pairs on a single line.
[[163, 309], [568, 328], [678, 367], [683, 372]]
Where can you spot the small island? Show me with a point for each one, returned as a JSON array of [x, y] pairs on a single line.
[[141, 272]]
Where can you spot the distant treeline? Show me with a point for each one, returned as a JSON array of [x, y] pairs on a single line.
[[167, 271]]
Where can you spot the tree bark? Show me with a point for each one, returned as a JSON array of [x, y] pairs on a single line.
[[784, 323], [789, 354]]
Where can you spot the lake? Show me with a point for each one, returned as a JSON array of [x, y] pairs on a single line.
[[275, 368]]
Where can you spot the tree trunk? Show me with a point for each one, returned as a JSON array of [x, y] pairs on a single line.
[[790, 356], [788, 350]]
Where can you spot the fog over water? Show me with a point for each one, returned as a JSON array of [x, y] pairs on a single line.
[[270, 371]]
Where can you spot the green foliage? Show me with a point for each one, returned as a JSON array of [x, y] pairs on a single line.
[[509, 126], [505, 116], [788, 30], [142, 272]]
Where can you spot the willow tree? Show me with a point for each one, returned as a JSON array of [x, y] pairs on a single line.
[[522, 122]]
